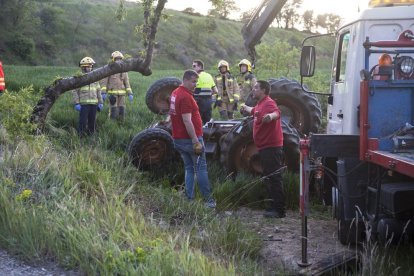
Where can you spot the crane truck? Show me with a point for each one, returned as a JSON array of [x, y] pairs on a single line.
[[367, 152]]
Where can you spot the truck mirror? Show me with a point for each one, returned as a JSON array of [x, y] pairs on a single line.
[[307, 61]]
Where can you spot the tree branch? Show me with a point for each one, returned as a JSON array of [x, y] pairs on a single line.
[[60, 86]]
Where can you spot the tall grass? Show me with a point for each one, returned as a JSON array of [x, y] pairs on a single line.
[[80, 202]]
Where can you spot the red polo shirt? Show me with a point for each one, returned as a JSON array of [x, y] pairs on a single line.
[[182, 102], [266, 135]]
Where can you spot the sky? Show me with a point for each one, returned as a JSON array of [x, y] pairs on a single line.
[[344, 8]]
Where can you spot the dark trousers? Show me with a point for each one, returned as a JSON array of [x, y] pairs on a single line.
[[272, 159], [87, 119], [204, 105]]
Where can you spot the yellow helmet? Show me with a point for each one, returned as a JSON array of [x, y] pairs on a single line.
[[117, 54], [86, 62], [223, 63], [246, 62]]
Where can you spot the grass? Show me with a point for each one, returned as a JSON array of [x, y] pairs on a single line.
[[89, 209]]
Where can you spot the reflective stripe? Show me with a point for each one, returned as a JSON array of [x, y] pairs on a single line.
[[117, 92], [202, 92], [89, 101], [129, 89], [103, 88], [236, 96]]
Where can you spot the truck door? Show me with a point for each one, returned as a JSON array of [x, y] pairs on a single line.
[[338, 86]]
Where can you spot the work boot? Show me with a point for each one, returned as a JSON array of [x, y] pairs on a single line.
[[274, 214], [121, 113], [211, 203], [113, 112]]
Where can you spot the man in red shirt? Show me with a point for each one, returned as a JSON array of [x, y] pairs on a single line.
[[187, 132], [268, 138]]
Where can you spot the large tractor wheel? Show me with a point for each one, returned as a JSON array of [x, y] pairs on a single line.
[[151, 149], [300, 109], [158, 94], [238, 152]]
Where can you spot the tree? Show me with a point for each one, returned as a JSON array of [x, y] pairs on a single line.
[[247, 15], [15, 13], [280, 58], [289, 13], [222, 8], [139, 64], [332, 22], [321, 21], [49, 18], [308, 21]]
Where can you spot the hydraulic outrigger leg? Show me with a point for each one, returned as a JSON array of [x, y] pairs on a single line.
[[304, 198]]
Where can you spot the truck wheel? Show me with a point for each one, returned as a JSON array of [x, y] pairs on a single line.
[[238, 152], [300, 109], [158, 94], [151, 149]]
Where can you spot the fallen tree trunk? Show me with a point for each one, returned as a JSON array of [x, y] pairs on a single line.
[[140, 65]]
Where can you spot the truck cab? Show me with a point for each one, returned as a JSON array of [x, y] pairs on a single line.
[[367, 150], [377, 23]]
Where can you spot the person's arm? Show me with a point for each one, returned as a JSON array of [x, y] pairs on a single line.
[[189, 127], [245, 108], [271, 117], [272, 114]]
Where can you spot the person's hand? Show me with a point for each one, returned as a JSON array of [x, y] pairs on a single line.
[[100, 107], [243, 108], [78, 107], [269, 117], [198, 148], [131, 98], [103, 96]]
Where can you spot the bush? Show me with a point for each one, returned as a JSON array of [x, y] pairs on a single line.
[[21, 46], [15, 111]]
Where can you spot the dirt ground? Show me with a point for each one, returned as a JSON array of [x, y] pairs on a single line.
[[282, 247]]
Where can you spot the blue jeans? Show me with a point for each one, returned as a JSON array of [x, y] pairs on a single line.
[[194, 165]]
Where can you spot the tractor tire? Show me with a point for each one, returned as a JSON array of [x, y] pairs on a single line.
[[239, 153], [299, 109], [158, 94], [151, 149]]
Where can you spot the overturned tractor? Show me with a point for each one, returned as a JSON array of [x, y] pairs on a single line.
[[231, 141]]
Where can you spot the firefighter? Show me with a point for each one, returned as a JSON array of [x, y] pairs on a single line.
[[116, 87], [204, 90], [246, 79], [227, 91], [87, 100], [2, 81]]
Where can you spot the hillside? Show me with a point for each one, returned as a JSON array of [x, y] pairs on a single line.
[[60, 33]]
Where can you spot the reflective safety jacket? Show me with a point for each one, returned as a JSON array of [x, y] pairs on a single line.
[[228, 87], [2, 81], [117, 84], [88, 94], [246, 81], [204, 85]]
